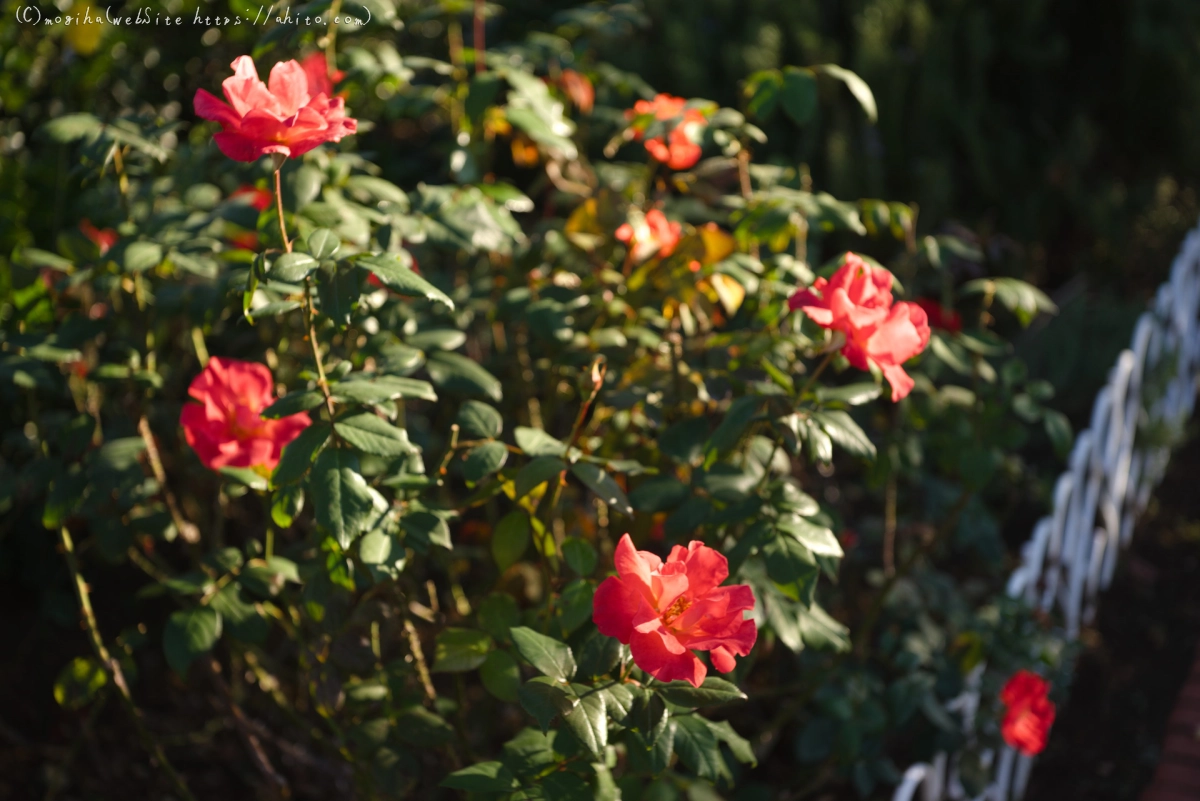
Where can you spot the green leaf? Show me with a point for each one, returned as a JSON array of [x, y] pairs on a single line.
[[437, 339], [684, 441], [712, 692], [538, 471], [842, 429], [484, 777], [298, 454], [322, 244], [484, 460], [393, 269], [78, 682], [293, 403], [456, 373], [741, 413], [580, 555], [345, 506], [337, 292], [819, 630], [292, 268], [699, 749], [498, 612], [542, 698], [141, 256], [375, 547], [535, 442], [70, 127], [245, 476], [799, 94], [510, 539], [589, 722], [478, 420], [382, 388], [427, 529], [551, 657], [601, 483], [189, 634], [1058, 429], [787, 560], [458, 650], [372, 434], [286, 504], [818, 539], [658, 494], [850, 394], [500, 675], [857, 86], [740, 746], [762, 91], [576, 606]]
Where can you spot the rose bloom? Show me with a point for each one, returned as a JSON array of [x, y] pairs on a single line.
[[258, 199], [1030, 712], [940, 316], [649, 234], [226, 427], [320, 79], [579, 88], [680, 149], [102, 238], [281, 116], [666, 611], [857, 301]]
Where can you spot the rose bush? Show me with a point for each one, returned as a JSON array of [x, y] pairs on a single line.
[[379, 510]]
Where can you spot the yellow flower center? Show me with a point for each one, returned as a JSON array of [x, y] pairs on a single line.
[[676, 609]]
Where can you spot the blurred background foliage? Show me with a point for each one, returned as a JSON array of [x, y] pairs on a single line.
[[1060, 133]]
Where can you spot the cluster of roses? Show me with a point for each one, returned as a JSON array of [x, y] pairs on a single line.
[[665, 611]]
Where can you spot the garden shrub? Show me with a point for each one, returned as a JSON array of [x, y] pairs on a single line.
[[375, 379]]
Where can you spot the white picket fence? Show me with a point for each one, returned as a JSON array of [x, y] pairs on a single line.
[[1072, 553]]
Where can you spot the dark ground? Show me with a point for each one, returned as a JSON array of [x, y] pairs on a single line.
[[1106, 741]]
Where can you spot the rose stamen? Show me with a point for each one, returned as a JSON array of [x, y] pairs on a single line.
[[675, 610]]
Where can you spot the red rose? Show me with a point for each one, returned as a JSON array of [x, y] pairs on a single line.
[[102, 238], [940, 316], [667, 610], [649, 234], [320, 79], [282, 117], [1030, 712], [681, 147], [857, 301], [260, 199], [226, 427]]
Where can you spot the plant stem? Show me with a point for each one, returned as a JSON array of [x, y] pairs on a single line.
[[309, 316], [187, 530], [287, 245], [597, 371], [113, 668], [414, 645], [478, 36]]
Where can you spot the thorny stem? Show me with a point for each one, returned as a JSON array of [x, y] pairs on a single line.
[[186, 528], [597, 371], [113, 668], [309, 316]]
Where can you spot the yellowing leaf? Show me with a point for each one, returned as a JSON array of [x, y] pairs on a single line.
[[729, 291]]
